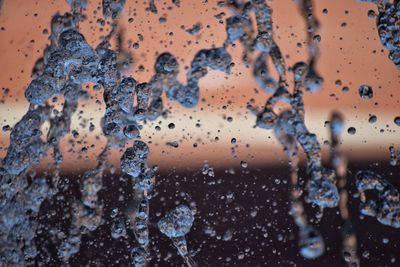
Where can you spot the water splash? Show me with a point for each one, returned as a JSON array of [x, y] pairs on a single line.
[[321, 187], [69, 62], [311, 243], [386, 208], [175, 225], [289, 127], [167, 70], [388, 27]]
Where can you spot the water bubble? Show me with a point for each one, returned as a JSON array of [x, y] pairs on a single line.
[[140, 224], [313, 82], [366, 92], [397, 121], [244, 164], [372, 119], [131, 131], [371, 14], [195, 30], [207, 170], [228, 235], [317, 38], [133, 161], [118, 228], [311, 243], [174, 144], [140, 257], [394, 156], [351, 130], [177, 222], [365, 254], [175, 225]]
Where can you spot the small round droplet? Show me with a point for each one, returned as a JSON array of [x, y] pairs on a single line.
[[365, 254], [177, 223], [366, 92], [243, 164], [346, 256], [371, 14], [351, 130], [317, 38], [397, 120], [372, 119]]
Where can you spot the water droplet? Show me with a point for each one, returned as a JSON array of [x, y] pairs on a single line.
[[351, 130], [365, 92]]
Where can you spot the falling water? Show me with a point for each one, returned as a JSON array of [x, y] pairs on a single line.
[[69, 62]]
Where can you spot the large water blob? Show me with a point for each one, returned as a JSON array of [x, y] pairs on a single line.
[[175, 225], [388, 27], [386, 208]]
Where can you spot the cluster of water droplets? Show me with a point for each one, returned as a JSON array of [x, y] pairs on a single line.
[[167, 70], [69, 62], [387, 23], [134, 164], [321, 187], [386, 208], [291, 131], [289, 126], [20, 204], [240, 27], [121, 119]]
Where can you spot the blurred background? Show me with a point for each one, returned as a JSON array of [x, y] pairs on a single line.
[[246, 207]]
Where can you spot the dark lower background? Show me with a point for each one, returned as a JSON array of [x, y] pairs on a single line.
[[262, 232]]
